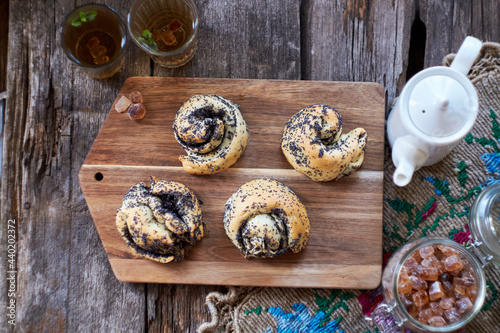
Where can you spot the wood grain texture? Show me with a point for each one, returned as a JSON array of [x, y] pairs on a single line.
[[245, 39], [237, 39], [127, 152], [266, 106], [4, 33], [4, 265], [357, 40], [63, 281], [53, 113]]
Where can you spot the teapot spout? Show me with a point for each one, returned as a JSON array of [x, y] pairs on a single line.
[[403, 174], [408, 155]]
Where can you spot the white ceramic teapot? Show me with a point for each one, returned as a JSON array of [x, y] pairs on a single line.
[[435, 110]]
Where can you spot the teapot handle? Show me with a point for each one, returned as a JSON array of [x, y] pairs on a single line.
[[466, 55]]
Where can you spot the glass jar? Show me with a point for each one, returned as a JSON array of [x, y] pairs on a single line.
[[391, 316]]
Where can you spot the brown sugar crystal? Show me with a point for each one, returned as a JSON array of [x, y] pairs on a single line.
[[135, 97], [426, 252], [452, 315], [404, 287], [417, 283], [437, 285], [453, 263], [420, 298], [463, 304], [429, 273], [436, 291], [446, 250], [437, 321], [425, 315], [432, 261], [411, 263], [136, 111], [447, 303], [168, 37], [436, 309], [123, 104]]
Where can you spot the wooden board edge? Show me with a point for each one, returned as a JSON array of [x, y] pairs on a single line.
[[131, 271], [377, 86]]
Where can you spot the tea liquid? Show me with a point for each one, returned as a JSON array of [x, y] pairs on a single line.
[[95, 42], [171, 31]]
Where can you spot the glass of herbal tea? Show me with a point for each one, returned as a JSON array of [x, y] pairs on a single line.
[[93, 37], [166, 29]]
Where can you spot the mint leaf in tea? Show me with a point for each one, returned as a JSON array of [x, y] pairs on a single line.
[[84, 17], [147, 37], [94, 37]]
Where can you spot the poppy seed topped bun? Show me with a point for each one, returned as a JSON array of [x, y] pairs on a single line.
[[213, 133], [314, 145], [265, 218]]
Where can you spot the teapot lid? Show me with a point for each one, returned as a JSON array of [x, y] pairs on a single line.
[[441, 102]]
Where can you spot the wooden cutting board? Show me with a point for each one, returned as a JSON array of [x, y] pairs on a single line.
[[345, 245]]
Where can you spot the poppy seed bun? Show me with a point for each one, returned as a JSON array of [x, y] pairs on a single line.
[[314, 145], [264, 218], [213, 133], [158, 222]]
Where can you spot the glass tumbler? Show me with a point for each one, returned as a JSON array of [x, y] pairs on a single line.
[[392, 315], [93, 37], [167, 30]]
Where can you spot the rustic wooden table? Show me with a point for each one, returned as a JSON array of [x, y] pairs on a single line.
[[52, 113]]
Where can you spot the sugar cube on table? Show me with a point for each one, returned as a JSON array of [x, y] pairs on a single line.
[[136, 111], [135, 97], [123, 104]]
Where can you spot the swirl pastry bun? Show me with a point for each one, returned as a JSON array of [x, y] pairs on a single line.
[[213, 133], [314, 145], [158, 222], [265, 218]]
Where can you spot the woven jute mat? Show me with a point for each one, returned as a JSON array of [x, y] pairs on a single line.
[[435, 203]]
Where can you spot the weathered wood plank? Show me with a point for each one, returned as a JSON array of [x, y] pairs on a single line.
[[4, 256], [96, 300], [53, 114], [448, 23], [4, 30], [357, 41], [51, 120], [237, 39], [245, 39]]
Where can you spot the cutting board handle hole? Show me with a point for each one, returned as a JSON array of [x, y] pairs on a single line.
[[98, 176]]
